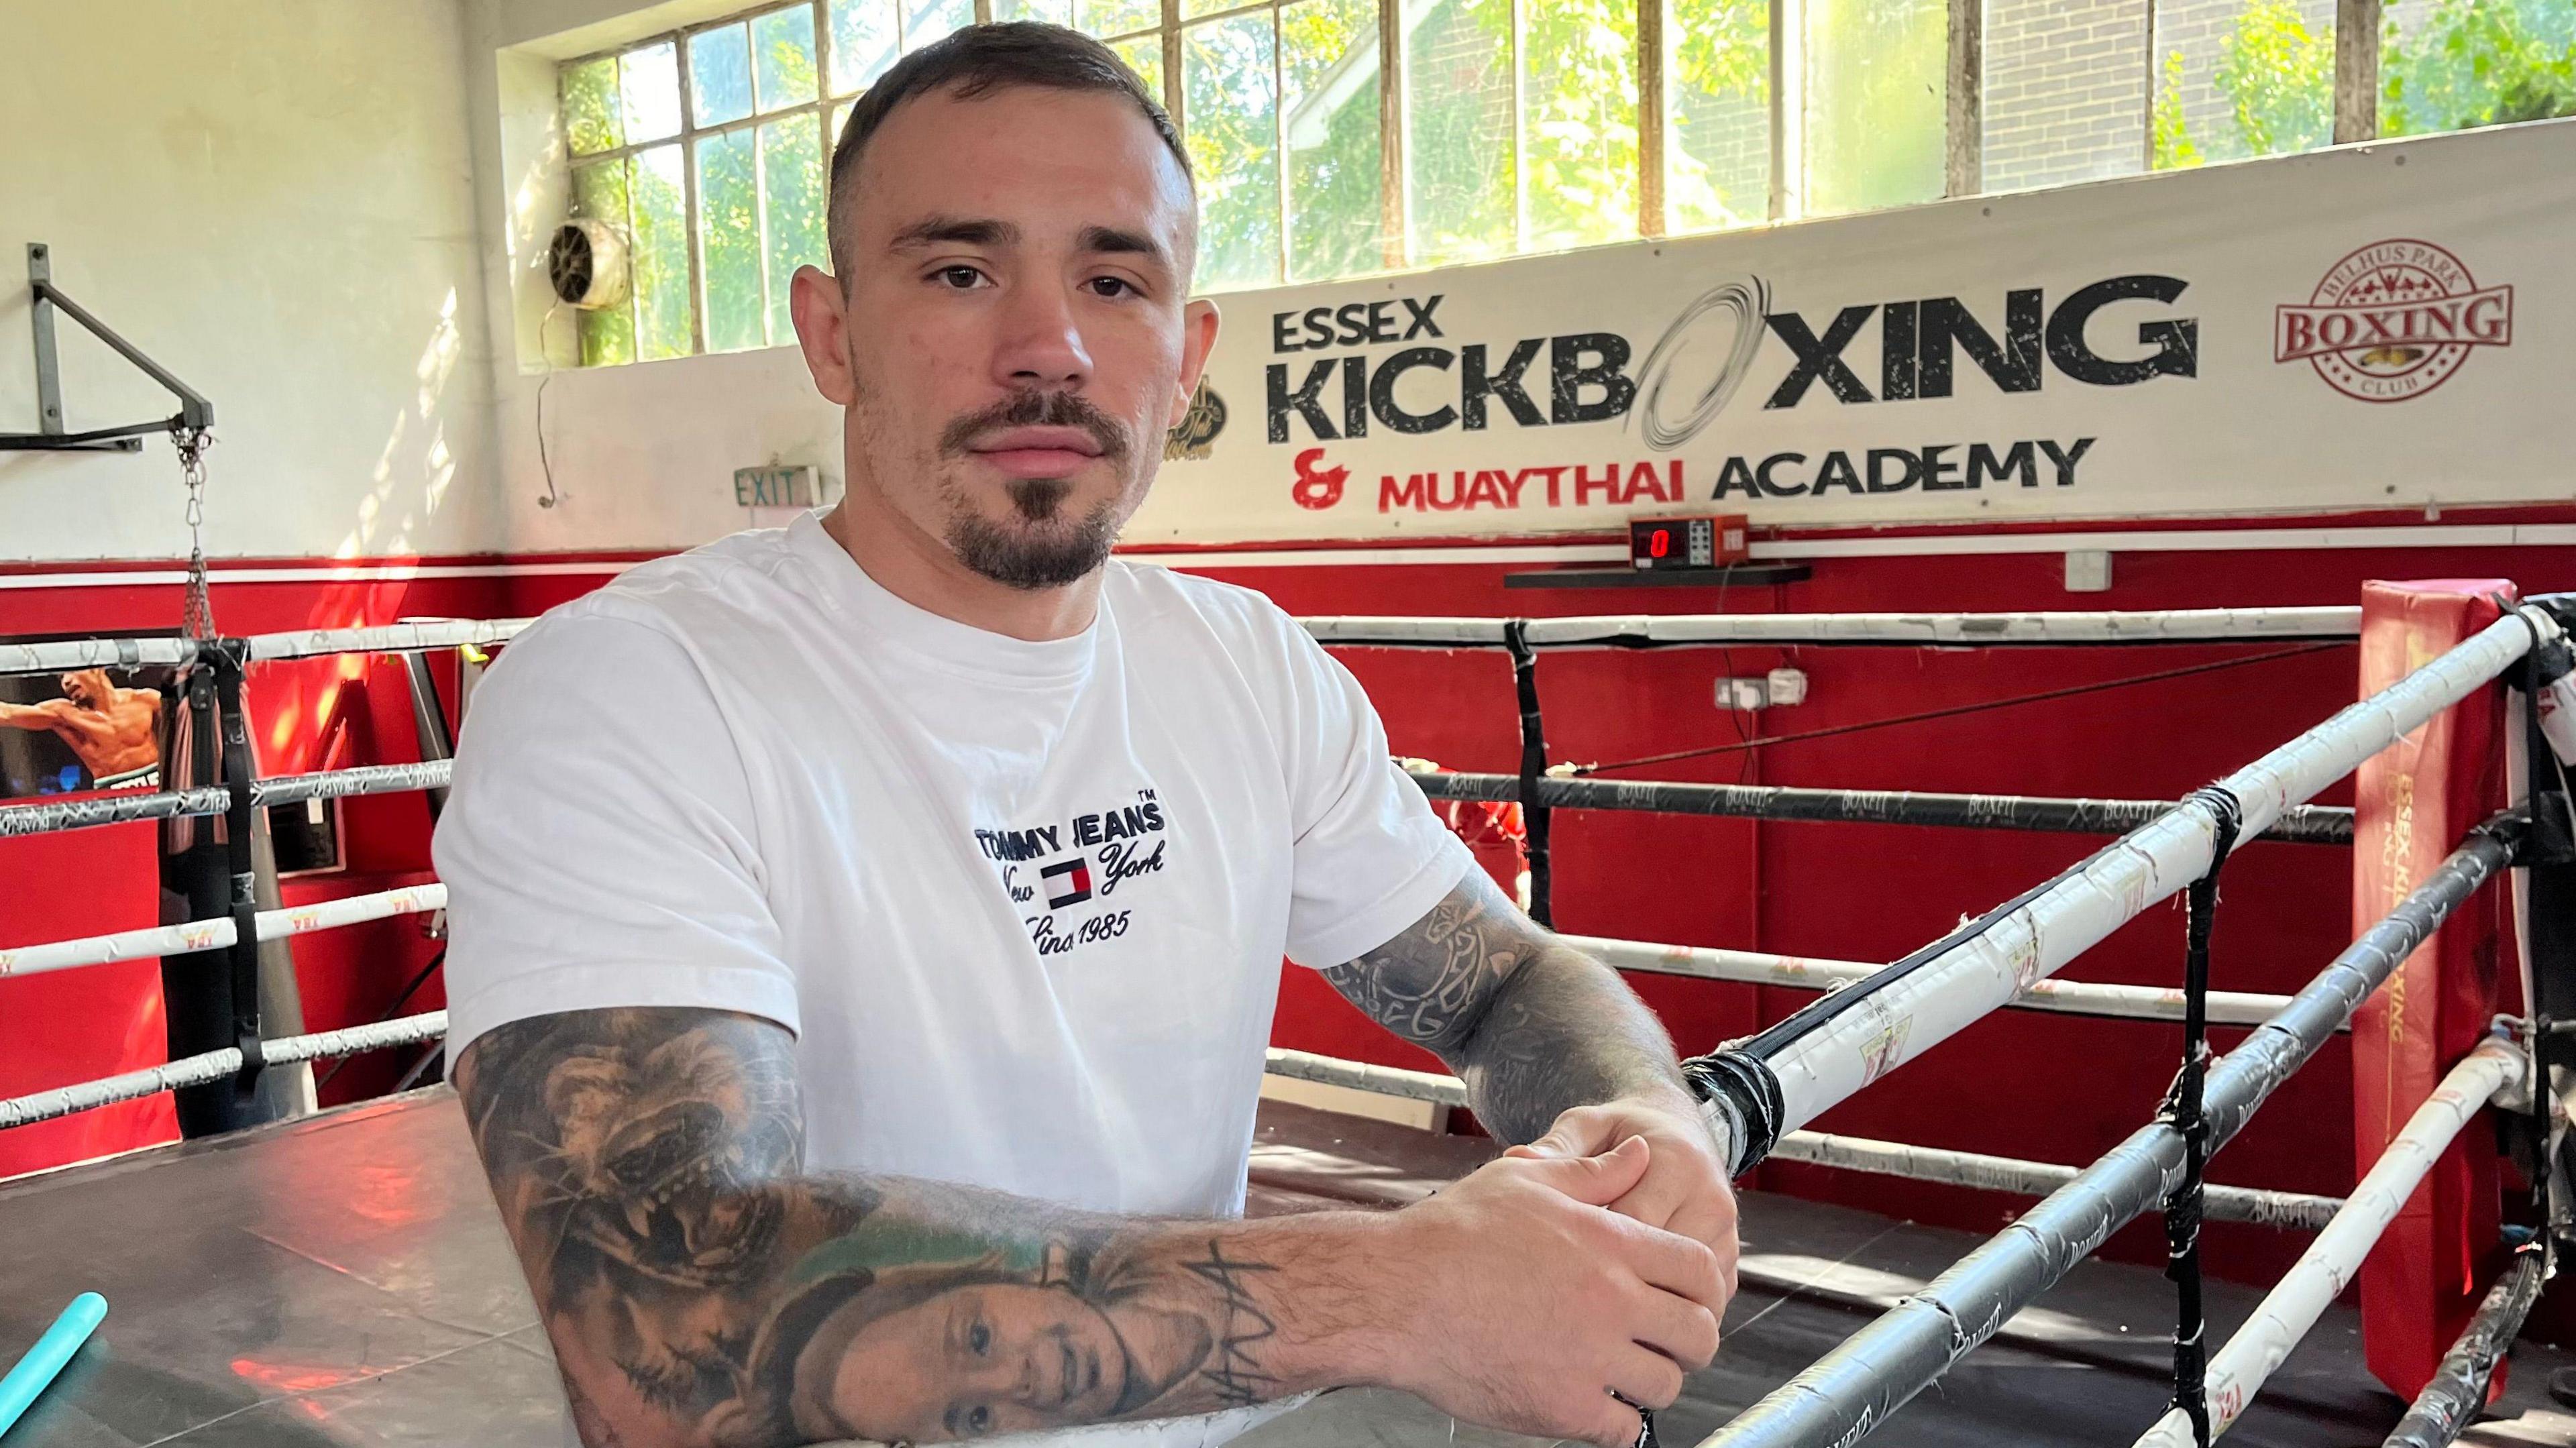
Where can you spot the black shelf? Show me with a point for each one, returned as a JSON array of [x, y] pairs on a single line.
[[1741, 575]]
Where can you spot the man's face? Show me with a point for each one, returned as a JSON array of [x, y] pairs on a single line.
[[996, 1358], [1015, 336], [79, 689]]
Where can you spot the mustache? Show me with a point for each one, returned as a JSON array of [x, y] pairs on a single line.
[[1037, 409]]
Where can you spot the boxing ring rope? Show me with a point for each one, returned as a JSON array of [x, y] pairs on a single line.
[[2294, 1304], [1826, 1051], [2070, 997], [2304, 824], [195, 935], [2290, 1210], [215, 1066], [117, 809], [2147, 626], [1944, 630], [2458, 1390], [1861, 1382]]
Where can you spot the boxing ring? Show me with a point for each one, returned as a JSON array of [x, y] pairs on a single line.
[[387, 1197]]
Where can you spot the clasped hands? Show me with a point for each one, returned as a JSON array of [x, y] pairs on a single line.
[[1577, 1278]]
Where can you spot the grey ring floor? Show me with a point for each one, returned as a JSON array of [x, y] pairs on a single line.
[[343, 1280]]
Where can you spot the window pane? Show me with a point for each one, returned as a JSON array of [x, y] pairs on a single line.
[[1228, 85], [1117, 17], [2238, 78], [1717, 132], [841, 120], [782, 53], [1144, 55], [2066, 91], [1328, 73], [863, 43], [926, 20], [648, 87], [660, 255], [1053, 12], [590, 106], [1192, 9], [2453, 64], [719, 76], [607, 333], [791, 181], [1463, 198], [729, 241], [1579, 121], [1876, 104]]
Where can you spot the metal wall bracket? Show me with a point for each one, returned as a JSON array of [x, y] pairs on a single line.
[[194, 410]]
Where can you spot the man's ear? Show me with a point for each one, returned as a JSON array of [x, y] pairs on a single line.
[[1198, 339], [820, 311]]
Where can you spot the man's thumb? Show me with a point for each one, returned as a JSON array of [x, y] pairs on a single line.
[[1600, 1180]]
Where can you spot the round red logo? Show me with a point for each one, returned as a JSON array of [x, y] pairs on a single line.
[[2393, 320]]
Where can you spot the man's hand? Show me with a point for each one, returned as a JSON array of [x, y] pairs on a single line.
[[1684, 1188], [1533, 1301]]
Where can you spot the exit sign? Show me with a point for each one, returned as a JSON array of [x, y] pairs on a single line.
[[774, 487]]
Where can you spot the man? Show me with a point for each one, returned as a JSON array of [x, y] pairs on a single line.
[[109, 729], [865, 933]]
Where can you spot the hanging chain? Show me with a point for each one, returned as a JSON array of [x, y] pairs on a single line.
[[199, 614]]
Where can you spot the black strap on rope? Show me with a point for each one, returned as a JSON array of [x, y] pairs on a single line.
[[224, 658], [1750, 1090], [1534, 816], [2182, 1111]]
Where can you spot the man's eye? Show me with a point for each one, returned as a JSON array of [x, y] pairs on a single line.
[[979, 1340], [1110, 286], [980, 1420], [960, 278]]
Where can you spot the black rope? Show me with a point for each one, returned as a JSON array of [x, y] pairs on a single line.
[[1534, 816], [1955, 710], [2182, 1111]]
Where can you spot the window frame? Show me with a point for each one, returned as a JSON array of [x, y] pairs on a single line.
[[2358, 42]]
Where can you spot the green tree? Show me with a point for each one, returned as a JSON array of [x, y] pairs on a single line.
[[2277, 76], [2479, 63]]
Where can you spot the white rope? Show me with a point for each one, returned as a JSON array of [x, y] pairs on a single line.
[[63, 655], [1851, 1153], [217, 1066], [196, 935], [2292, 1307], [2177, 625], [2139, 1002], [399, 638], [1966, 982]]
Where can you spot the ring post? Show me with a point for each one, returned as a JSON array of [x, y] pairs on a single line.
[[2411, 801]]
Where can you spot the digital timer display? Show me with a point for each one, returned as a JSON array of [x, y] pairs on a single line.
[[1664, 543]]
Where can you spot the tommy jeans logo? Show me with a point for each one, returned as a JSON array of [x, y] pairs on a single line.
[[1067, 882], [2392, 321]]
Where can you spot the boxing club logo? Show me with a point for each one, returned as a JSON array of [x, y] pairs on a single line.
[[2393, 320]]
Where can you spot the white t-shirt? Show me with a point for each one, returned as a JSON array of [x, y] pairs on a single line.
[[1023, 904]]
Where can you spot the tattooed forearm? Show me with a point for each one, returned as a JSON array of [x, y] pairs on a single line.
[[1237, 1371], [700, 1290], [1533, 1026]]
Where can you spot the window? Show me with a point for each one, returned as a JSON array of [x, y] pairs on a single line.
[[709, 149], [1333, 138]]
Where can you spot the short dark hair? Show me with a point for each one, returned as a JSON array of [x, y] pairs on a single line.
[[971, 62]]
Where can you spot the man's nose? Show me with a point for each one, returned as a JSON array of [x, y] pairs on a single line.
[[1041, 343]]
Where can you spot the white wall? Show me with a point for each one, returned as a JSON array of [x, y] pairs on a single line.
[[275, 199]]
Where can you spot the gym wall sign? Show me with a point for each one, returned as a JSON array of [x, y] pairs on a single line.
[[2189, 344]]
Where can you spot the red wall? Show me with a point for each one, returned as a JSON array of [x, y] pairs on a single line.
[[2025, 1084]]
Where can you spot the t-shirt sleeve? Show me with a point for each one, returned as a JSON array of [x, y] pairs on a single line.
[[599, 844], [1371, 858]]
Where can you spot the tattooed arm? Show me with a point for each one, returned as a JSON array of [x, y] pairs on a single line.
[[1556, 1051], [700, 1289]]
